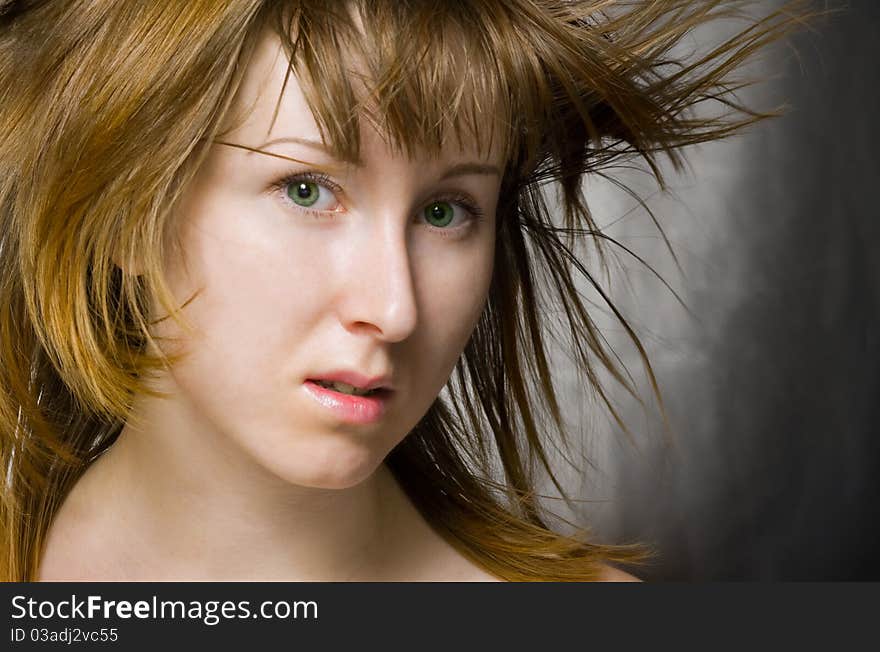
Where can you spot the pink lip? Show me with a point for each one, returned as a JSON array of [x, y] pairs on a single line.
[[355, 379], [346, 407]]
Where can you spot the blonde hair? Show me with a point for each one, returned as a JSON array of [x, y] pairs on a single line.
[[110, 106]]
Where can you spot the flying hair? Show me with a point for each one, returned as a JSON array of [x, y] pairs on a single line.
[[108, 107]]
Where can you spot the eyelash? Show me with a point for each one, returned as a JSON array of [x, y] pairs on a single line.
[[474, 212]]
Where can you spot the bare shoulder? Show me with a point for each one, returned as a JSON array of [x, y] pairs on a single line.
[[451, 565], [75, 546], [459, 569], [455, 567], [612, 574]]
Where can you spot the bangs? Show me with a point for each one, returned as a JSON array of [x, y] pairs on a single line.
[[560, 88], [420, 73]]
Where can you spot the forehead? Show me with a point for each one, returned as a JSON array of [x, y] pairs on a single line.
[[260, 95], [272, 104]]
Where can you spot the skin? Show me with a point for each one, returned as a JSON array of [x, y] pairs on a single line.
[[241, 458], [240, 475]]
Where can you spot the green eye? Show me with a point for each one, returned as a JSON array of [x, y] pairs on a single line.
[[439, 213], [303, 193]]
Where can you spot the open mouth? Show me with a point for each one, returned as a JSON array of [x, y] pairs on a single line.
[[350, 390], [349, 404]]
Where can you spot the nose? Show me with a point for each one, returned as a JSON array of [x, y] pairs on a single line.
[[380, 290]]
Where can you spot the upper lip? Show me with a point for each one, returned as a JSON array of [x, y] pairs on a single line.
[[355, 379]]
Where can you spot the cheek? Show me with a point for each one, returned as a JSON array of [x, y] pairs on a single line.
[[453, 291], [259, 296]]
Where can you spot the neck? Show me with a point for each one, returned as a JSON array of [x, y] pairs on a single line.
[[166, 503]]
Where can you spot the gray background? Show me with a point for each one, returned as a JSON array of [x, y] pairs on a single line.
[[772, 383]]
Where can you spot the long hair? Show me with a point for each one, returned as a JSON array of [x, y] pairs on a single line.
[[108, 107]]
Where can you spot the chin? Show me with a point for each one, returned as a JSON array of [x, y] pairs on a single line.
[[332, 466]]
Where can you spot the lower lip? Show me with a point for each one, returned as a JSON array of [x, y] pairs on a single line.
[[347, 407]]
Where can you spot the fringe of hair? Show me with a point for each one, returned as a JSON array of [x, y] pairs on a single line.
[[575, 87]]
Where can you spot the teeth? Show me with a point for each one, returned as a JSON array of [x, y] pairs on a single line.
[[344, 389]]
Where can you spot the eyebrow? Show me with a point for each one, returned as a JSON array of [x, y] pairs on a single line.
[[458, 170], [316, 144]]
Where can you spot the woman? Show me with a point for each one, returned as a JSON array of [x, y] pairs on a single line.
[[272, 276]]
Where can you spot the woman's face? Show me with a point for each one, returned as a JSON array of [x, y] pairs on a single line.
[[369, 275]]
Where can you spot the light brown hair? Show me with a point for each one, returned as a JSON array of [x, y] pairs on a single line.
[[108, 107]]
